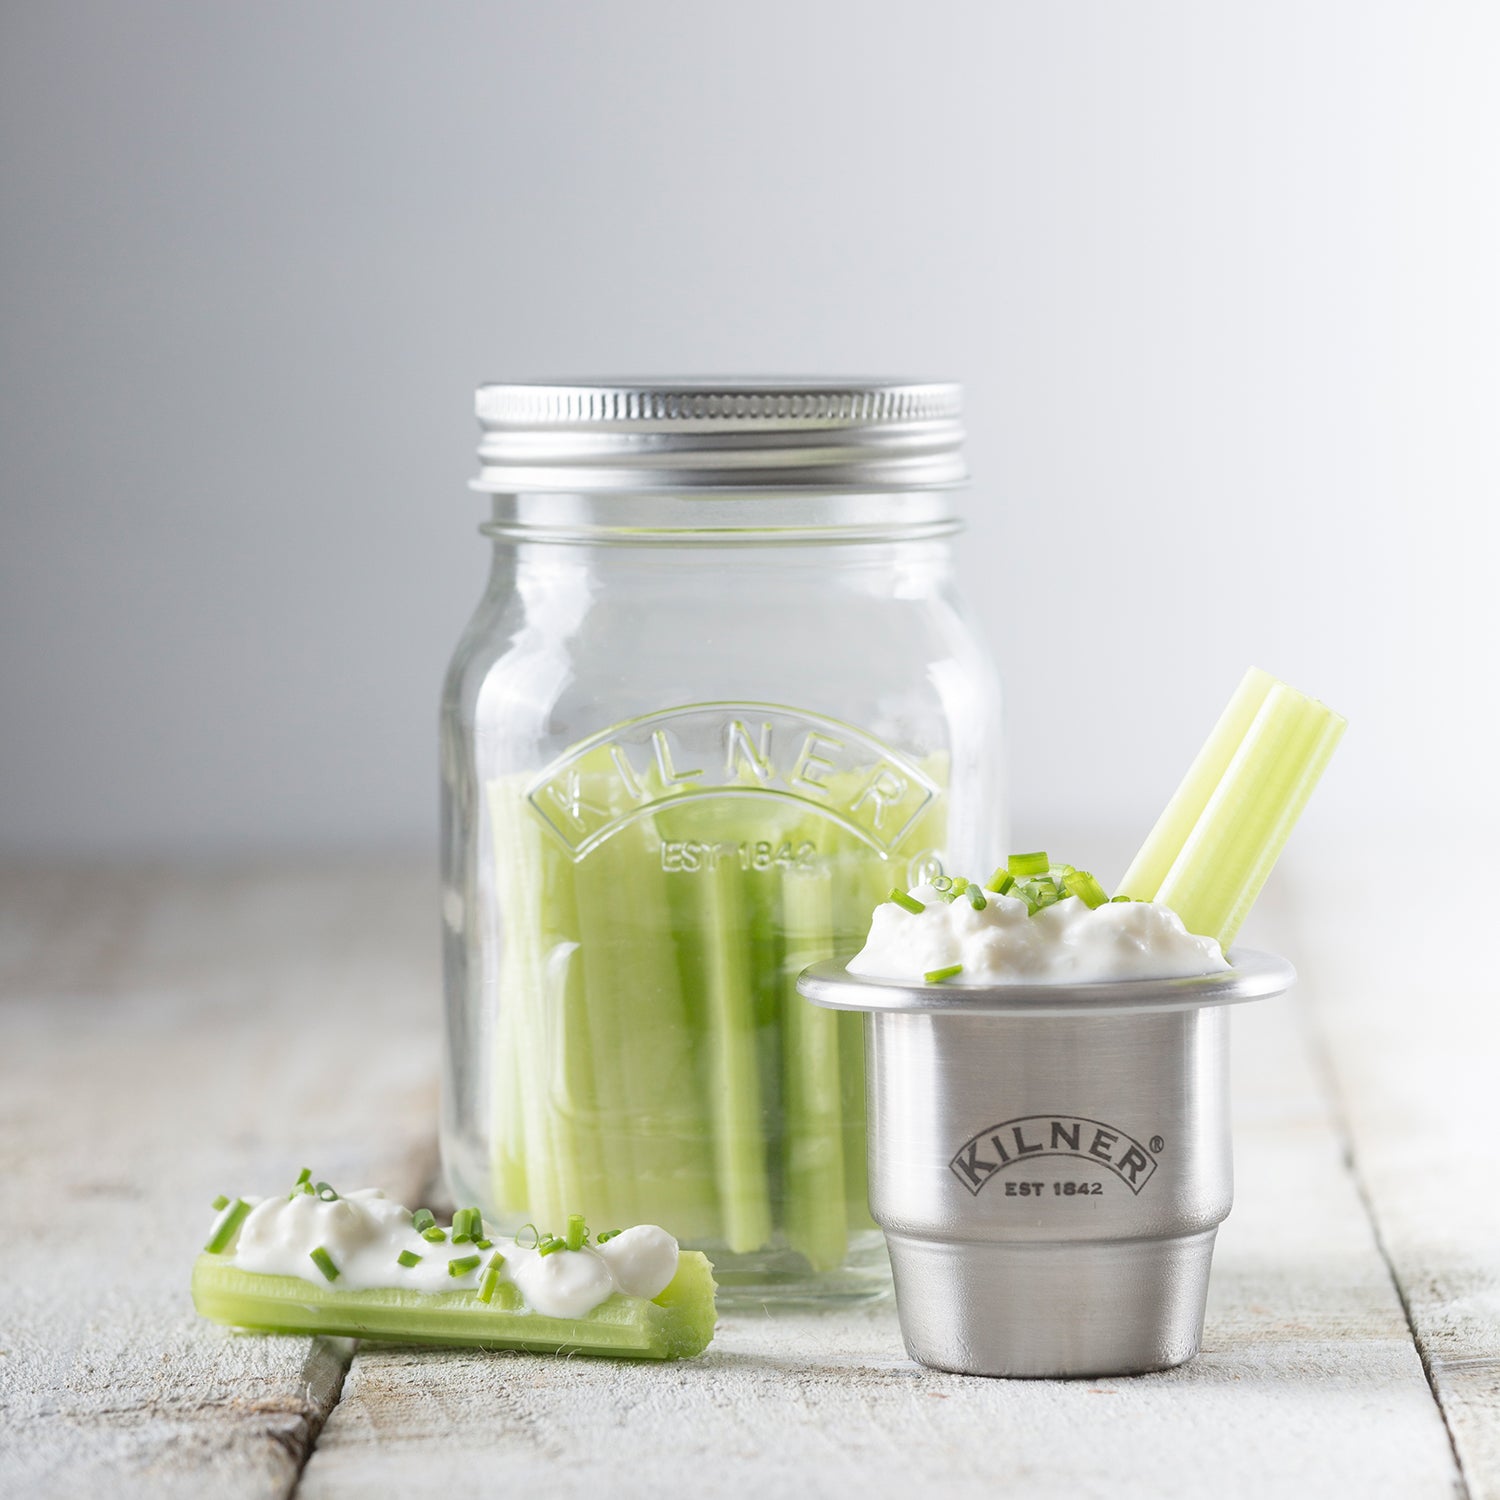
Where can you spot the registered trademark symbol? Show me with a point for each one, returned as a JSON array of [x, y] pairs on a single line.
[[1156, 1143]]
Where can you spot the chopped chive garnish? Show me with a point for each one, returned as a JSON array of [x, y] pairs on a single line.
[[1001, 881], [1121, 898], [905, 902], [483, 1244], [463, 1219], [422, 1219], [408, 1258], [1088, 890], [326, 1193], [976, 898], [937, 976], [491, 1277], [227, 1227], [960, 884], [606, 1236], [220, 1204], [305, 1175], [1039, 892], [435, 1235], [463, 1265], [550, 1245], [577, 1232], [1028, 864], [536, 1237], [940, 883], [324, 1262]]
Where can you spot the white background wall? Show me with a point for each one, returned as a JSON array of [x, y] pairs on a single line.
[[1223, 281]]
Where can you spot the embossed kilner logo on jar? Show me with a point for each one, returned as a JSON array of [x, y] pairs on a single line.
[[985, 1156], [731, 750]]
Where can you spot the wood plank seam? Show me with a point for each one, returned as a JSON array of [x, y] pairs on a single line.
[[1320, 1051], [425, 1168], [301, 1451]]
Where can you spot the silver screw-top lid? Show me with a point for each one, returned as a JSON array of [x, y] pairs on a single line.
[[735, 434]]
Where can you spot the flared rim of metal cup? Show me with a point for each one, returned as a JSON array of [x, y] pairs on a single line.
[[1253, 976]]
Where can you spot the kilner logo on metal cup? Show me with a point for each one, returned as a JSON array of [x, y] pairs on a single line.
[[731, 750], [997, 1147]]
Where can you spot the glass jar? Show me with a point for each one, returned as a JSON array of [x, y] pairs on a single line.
[[719, 697]]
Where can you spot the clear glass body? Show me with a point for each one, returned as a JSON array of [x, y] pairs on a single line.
[[679, 765]]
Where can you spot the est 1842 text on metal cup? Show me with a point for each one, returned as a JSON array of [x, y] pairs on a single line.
[[1050, 1163]]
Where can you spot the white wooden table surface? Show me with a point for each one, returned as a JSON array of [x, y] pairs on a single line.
[[167, 1036]]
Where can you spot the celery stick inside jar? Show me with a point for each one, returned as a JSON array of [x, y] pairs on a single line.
[[720, 695]]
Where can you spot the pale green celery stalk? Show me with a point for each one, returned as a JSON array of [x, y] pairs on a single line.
[[758, 820], [860, 885], [676, 1325], [735, 1102], [609, 957], [1164, 843], [851, 1025], [508, 1133], [650, 1111], [1242, 830], [860, 890], [815, 1215], [536, 960], [684, 905], [581, 1183]]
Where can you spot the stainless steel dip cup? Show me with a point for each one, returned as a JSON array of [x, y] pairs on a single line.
[[1050, 1163]]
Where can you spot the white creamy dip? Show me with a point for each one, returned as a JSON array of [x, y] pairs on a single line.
[[364, 1233], [1063, 944]]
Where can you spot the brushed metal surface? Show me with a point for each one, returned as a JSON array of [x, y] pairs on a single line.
[[1074, 1310], [1050, 1183], [706, 435]]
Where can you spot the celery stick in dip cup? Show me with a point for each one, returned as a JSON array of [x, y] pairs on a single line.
[[1049, 1133], [1049, 1156], [1047, 1070]]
